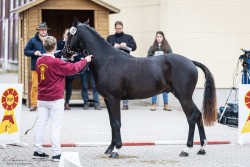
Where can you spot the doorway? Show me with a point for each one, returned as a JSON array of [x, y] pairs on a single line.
[[58, 21]]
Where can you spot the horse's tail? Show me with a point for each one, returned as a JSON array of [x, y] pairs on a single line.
[[209, 99]]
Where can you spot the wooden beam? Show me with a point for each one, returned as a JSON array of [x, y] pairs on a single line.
[[111, 8], [26, 6]]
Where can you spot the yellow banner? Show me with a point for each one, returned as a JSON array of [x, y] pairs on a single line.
[[9, 102]]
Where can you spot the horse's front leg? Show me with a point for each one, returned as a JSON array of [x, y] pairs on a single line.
[[113, 107], [112, 145]]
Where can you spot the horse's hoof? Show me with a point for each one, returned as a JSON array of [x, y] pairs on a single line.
[[109, 151], [201, 152], [114, 155], [183, 154]]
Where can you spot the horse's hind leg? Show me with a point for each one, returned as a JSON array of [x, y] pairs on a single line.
[[201, 129], [192, 117], [112, 145]]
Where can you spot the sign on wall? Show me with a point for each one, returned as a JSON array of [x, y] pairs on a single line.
[[244, 114], [10, 113]]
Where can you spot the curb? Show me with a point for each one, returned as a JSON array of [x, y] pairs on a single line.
[[138, 143]]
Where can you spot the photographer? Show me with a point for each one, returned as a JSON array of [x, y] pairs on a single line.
[[245, 58]]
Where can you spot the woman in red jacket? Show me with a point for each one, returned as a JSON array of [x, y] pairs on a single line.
[[51, 72]]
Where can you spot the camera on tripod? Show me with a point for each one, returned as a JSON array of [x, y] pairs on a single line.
[[245, 58]]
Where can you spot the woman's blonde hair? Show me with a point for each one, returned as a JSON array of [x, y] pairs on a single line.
[[49, 43]]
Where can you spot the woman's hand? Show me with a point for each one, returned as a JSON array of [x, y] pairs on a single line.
[[88, 58]]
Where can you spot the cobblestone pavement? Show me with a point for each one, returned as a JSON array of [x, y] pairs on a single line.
[[138, 124]]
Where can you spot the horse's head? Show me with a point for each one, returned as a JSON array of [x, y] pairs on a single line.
[[73, 45]]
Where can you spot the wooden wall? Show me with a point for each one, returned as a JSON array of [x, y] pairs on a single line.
[[30, 19]]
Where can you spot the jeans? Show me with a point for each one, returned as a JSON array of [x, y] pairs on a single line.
[[85, 76], [165, 98], [69, 80], [245, 77], [125, 102], [246, 73]]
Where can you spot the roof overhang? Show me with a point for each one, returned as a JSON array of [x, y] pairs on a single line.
[[30, 4], [111, 8], [26, 6]]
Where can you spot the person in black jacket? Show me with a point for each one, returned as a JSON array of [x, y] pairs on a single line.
[[84, 76], [124, 42], [34, 49], [61, 43]]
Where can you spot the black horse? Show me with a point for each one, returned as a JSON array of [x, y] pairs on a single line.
[[120, 76]]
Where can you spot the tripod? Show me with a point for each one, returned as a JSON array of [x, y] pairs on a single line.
[[245, 73], [245, 79], [227, 104]]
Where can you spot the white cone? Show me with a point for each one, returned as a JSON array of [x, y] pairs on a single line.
[[69, 159]]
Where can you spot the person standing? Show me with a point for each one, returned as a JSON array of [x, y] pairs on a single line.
[[160, 47], [124, 42], [34, 49], [61, 44], [87, 75], [69, 79], [51, 72]]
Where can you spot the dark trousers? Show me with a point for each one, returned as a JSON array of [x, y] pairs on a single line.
[[87, 75], [69, 81], [84, 80]]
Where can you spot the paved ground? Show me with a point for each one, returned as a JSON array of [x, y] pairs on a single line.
[[138, 124]]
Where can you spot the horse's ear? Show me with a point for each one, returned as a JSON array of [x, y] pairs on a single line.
[[75, 22], [86, 22]]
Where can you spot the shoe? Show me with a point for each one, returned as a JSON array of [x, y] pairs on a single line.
[[167, 107], [66, 106], [125, 107], [33, 108], [56, 158], [86, 106], [97, 106], [36, 155], [153, 107]]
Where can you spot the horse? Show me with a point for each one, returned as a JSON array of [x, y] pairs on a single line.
[[119, 76]]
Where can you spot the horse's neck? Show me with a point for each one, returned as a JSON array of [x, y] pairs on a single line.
[[102, 51], [97, 44]]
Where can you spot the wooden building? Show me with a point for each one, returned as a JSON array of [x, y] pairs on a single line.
[[8, 34], [59, 15]]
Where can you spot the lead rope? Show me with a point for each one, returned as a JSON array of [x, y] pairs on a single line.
[[85, 53]]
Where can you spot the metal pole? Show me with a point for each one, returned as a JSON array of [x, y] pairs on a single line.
[[6, 32]]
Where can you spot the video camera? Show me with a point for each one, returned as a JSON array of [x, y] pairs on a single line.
[[244, 58]]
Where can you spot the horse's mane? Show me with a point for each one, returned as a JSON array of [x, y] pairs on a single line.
[[94, 32]]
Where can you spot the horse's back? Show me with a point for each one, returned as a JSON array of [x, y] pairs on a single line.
[[181, 62], [184, 74]]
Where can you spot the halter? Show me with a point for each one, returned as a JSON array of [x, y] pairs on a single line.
[[68, 50], [85, 52], [72, 31]]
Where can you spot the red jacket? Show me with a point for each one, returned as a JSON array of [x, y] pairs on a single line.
[[51, 72]]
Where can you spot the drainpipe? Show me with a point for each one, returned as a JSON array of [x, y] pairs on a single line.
[[6, 33], [6, 27]]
